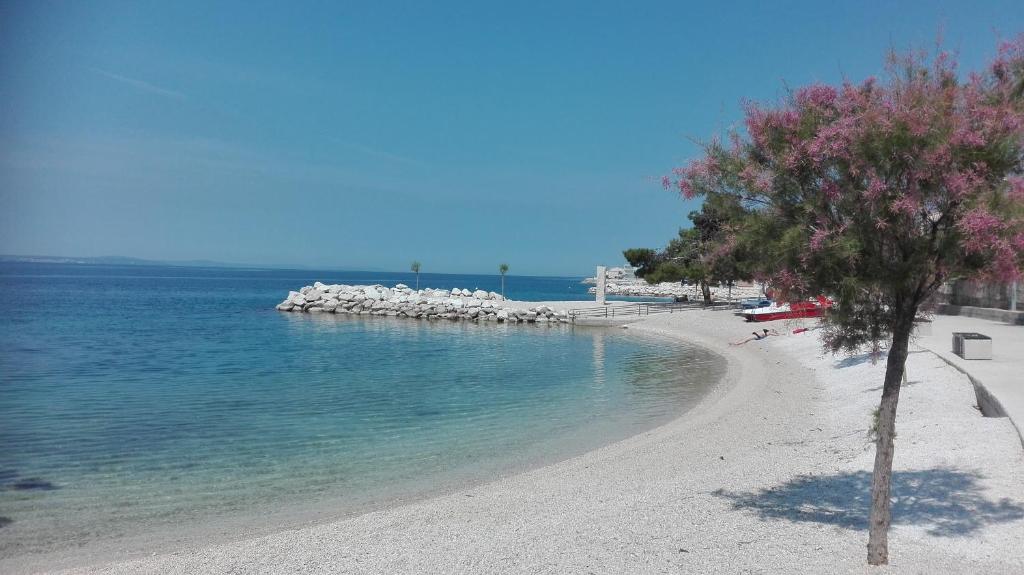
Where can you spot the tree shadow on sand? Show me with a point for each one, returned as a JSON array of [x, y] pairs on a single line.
[[949, 502]]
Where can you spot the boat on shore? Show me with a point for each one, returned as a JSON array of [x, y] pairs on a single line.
[[794, 310]]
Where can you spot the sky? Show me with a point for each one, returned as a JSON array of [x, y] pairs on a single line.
[[368, 135]]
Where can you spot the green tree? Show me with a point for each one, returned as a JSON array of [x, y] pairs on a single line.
[[503, 269], [643, 259], [415, 267], [876, 194], [706, 253]]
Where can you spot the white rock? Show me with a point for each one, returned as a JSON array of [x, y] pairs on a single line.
[[480, 294]]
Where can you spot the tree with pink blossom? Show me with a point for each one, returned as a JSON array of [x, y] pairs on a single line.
[[875, 193]]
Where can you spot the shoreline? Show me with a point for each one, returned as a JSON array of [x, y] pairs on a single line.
[[704, 410], [227, 530], [695, 494]]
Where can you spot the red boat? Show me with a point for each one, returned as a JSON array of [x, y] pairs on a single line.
[[794, 310]]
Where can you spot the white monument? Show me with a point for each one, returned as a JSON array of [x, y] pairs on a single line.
[[600, 284]]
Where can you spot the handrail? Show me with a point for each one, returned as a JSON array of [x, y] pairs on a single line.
[[641, 309]]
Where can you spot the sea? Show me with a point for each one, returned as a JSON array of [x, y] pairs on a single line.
[[144, 407]]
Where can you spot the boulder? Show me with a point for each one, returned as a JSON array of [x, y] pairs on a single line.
[[480, 294]]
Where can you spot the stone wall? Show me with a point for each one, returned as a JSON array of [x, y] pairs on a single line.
[[402, 301]]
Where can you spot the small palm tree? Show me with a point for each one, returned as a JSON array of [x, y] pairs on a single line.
[[503, 268], [416, 270]]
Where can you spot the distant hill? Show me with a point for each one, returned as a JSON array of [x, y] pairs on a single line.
[[128, 261]]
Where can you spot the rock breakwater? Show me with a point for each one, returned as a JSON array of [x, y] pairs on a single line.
[[403, 301]]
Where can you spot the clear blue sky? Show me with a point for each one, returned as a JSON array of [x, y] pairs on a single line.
[[370, 134]]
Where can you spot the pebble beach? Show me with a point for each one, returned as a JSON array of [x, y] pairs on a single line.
[[770, 473]]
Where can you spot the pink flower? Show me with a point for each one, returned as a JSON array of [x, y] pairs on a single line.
[[981, 230], [686, 189], [876, 188], [1016, 191], [967, 137], [816, 95], [818, 239], [905, 205], [831, 190]]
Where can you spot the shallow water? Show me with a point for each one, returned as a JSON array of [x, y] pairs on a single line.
[[140, 400]]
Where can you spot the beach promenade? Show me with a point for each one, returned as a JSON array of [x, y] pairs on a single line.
[[1002, 376], [770, 473]]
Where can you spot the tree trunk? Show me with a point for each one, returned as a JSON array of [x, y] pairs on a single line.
[[502, 286], [706, 292], [881, 480]]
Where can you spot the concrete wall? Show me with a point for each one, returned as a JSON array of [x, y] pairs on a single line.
[[982, 295], [991, 314]]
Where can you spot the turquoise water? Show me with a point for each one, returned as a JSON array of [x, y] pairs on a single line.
[[137, 401]]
